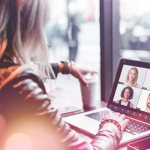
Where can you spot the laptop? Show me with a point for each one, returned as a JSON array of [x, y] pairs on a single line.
[[136, 107]]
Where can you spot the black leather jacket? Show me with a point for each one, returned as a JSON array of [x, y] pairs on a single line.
[[27, 109]]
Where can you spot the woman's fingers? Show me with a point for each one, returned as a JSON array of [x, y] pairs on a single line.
[[122, 116], [82, 71], [82, 80], [94, 72], [126, 121], [112, 115], [105, 117], [117, 114]]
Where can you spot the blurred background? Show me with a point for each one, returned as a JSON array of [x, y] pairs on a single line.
[[73, 33], [135, 29]]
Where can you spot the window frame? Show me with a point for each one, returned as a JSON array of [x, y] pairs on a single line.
[[109, 37]]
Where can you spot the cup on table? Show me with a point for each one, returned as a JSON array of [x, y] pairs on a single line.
[[89, 92]]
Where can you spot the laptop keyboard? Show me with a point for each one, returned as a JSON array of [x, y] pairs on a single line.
[[98, 115], [132, 127], [136, 126]]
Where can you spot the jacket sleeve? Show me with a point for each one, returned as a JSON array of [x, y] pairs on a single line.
[[55, 68], [29, 98]]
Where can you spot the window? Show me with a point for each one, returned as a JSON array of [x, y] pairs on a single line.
[[124, 33], [74, 34], [135, 29]]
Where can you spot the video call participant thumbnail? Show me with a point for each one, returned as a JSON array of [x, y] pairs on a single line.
[[132, 78], [126, 95], [148, 104]]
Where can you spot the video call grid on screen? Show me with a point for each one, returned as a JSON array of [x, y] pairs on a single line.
[[140, 89]]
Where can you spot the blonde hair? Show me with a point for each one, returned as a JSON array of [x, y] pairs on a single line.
[[134, 84], [23, 26]]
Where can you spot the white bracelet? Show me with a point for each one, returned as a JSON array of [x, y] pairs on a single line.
[[72, 63]]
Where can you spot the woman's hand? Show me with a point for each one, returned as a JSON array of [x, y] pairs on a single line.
[[120, 118], [79, 72]]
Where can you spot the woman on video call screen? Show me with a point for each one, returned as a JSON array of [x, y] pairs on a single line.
[[126, 95], [132, 77]]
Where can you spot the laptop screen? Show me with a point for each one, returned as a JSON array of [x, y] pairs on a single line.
[[131, 90]]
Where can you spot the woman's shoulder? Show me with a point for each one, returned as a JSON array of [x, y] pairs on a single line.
[[29, 73], [138, 86], [27, 93], [125, 83], [117, 101], [10, 71], [19, 73], [131, 104], [6, 72]]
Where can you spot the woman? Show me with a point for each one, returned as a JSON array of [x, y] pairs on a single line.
[[126, 95], [24, 65], [132, 77]]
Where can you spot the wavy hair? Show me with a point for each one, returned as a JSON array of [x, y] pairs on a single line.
[[134, 84], [131, 92], [23, 26]]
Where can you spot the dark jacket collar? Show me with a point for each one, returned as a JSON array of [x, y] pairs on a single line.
[[6, 61]]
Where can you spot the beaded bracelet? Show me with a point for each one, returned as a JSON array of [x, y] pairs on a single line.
[[111, 121]]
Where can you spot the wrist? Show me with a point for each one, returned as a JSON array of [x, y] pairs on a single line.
[[108, 121], [111, 125], [71, 64], [64, 67], [61, 67]]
